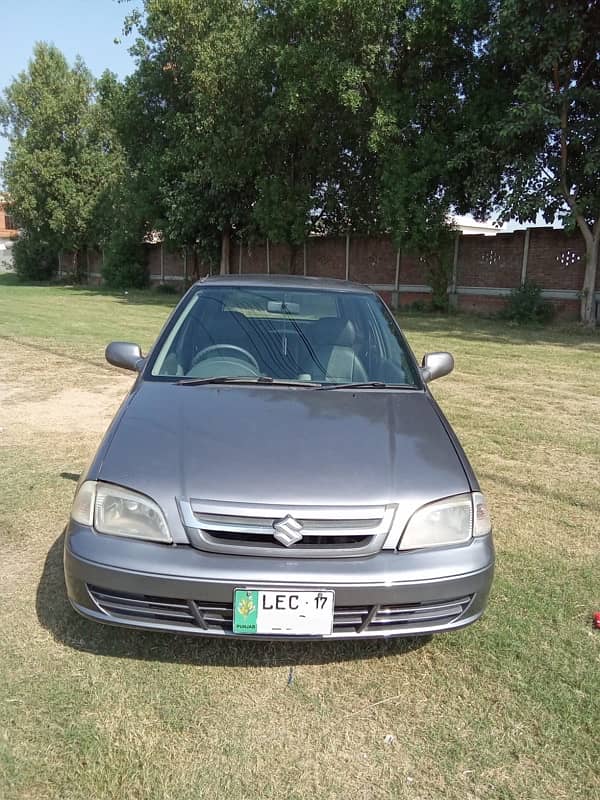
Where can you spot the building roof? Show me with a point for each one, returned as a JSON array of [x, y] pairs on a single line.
[[470, 226]]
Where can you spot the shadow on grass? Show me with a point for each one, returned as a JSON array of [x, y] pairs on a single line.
[[64, 354], [70, 476], [56, 615], [135, 297], [475, 328], [149, 297]]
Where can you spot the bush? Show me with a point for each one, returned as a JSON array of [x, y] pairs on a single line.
[[34, 259], [439, 277], [166, 288], [418, 306], [124, 265], [526, 305]]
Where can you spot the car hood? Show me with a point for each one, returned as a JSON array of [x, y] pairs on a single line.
[[278, 445]]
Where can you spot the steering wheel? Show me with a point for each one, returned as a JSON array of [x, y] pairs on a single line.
[[201, 355]]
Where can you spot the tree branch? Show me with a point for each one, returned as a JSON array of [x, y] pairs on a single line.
[[564, 155]]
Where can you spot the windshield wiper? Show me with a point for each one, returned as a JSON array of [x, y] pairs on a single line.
[[265, 380], [259, 380], [366, 385]]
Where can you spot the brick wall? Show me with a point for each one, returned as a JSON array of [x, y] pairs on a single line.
[[556, 260], [490, 261], [486, 268]]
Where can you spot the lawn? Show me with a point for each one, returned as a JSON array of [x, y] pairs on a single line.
[[509, 708]]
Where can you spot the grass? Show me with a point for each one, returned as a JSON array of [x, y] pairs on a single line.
[[508, 708]]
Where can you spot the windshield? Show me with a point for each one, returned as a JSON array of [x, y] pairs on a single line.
[[299, 335]]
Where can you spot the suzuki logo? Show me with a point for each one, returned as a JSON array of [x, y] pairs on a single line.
[[287, 531]]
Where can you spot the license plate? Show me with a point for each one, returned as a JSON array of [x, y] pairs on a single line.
[[289, 613]]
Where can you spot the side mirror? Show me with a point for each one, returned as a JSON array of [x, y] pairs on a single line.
[[126, 355], [436, 365]]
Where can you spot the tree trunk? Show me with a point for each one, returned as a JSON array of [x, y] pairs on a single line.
[[588, 302], [196, 264], [225, 250], [591, 235], [292, 259], [76, 276]]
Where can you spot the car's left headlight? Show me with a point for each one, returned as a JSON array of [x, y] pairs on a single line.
[[454, 520], [118, 511]]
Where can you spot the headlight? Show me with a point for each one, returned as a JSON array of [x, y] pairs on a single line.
[[119, 512], [452, 521]]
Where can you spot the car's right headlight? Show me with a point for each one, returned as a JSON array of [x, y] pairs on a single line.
[[454, 520], [118, 511]]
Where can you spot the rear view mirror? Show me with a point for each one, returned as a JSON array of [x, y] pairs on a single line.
[[436, 365], [125, 355], [281, 307]]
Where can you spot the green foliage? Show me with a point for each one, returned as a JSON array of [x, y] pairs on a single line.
[[422, 90], [526, 305], [251, 119], [62, 158], [439, 278], [320, 169], [534, 107], [34, 258], [188, 120], [124, 265], [553, 75], [287, 118], [417, 307]]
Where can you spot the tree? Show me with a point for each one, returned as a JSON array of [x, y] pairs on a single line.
[[537, 120], [422, 87], [61, 157], [365, 115], [283, 118], [126, 207], [193, 106], [320, 172], [251, 118]]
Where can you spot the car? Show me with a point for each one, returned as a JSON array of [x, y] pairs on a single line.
[[280, 470]]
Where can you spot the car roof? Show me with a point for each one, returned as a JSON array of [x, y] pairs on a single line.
[[285, 282]]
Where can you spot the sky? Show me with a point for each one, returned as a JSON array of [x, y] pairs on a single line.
[[77, 27]]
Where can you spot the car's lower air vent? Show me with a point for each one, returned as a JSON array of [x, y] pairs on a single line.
[[199, 615]]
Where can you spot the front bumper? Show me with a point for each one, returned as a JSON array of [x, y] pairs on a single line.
[[179, 589]]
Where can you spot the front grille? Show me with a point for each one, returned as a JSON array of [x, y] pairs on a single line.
[[333, 542], [249, 529], [389, 619], [217, 618]]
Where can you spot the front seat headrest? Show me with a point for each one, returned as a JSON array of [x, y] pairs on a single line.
[[334, 331]]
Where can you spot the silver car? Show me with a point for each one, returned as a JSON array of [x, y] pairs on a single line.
[[280, 470]]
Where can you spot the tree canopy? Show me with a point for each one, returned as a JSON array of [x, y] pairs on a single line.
[[62, 157], [531, 133], [286, 118]]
